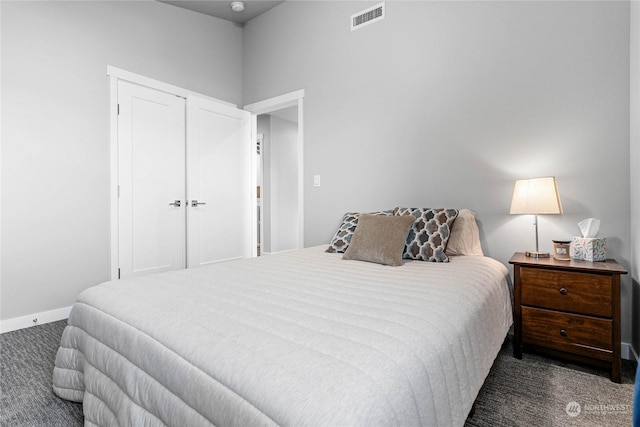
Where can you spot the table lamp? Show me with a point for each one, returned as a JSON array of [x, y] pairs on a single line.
[[536, 196]]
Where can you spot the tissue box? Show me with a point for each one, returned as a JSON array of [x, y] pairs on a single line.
[[589, 248]]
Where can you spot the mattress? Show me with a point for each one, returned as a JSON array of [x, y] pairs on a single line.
[[302, 338]]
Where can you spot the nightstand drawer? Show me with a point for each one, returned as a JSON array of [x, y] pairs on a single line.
[[572, 333], [569, 291]]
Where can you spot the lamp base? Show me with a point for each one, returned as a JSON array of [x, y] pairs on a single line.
[[537, 254]]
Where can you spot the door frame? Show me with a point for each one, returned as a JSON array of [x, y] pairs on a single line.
[[115, 74], [270, 105]]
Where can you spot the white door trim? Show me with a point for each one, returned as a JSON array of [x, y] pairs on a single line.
[[113, 179], [287, 100]]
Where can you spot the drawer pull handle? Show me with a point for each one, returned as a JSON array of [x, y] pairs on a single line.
[[563, 291], [563, 332]]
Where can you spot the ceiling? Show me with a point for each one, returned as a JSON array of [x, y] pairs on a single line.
[[222, 9]]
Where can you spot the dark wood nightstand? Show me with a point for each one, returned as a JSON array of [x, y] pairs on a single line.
[[568, 309]]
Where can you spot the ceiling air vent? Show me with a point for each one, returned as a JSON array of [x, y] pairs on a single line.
[[367, 16]]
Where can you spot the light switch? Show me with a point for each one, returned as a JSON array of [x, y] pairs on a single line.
[[316, 180]]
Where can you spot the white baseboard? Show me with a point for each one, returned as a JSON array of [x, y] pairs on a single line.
[[22, 322], [627, 352]]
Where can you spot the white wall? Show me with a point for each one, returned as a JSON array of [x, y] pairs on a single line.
[[445, 104], [55, 128], [635, 167]]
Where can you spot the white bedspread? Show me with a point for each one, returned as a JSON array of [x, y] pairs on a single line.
[[302, 338]]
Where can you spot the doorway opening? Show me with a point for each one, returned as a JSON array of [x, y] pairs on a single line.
[[278, 173]]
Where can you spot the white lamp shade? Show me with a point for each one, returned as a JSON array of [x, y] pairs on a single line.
[[538, 196]]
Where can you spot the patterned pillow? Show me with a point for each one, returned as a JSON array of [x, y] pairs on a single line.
[[342, 238], [429, 234]]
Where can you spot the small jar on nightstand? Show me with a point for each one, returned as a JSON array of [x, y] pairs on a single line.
[[568, 309], [561, 250]]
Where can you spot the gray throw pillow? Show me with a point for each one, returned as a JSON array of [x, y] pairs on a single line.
[[380, 239]]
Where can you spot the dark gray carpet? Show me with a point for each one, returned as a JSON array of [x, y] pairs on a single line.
[[533, 391], [26, 366]]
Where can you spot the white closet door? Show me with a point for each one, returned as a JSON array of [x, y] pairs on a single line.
[[151, 179], [219, 160]]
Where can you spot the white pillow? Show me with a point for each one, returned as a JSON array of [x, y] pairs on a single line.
[[465, 236]]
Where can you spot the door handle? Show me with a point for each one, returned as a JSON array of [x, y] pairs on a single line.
[[195, 203], [175, 203]]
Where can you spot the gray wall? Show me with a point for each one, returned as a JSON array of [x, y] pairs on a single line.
[[55, 128], [445, 104], [283, 152], [264, 127], [280, 183]]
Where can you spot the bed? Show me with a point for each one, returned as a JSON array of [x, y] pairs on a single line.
[[302, 338]]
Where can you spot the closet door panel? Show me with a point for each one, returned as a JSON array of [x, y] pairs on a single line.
[[218, 179], [151, 177]]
